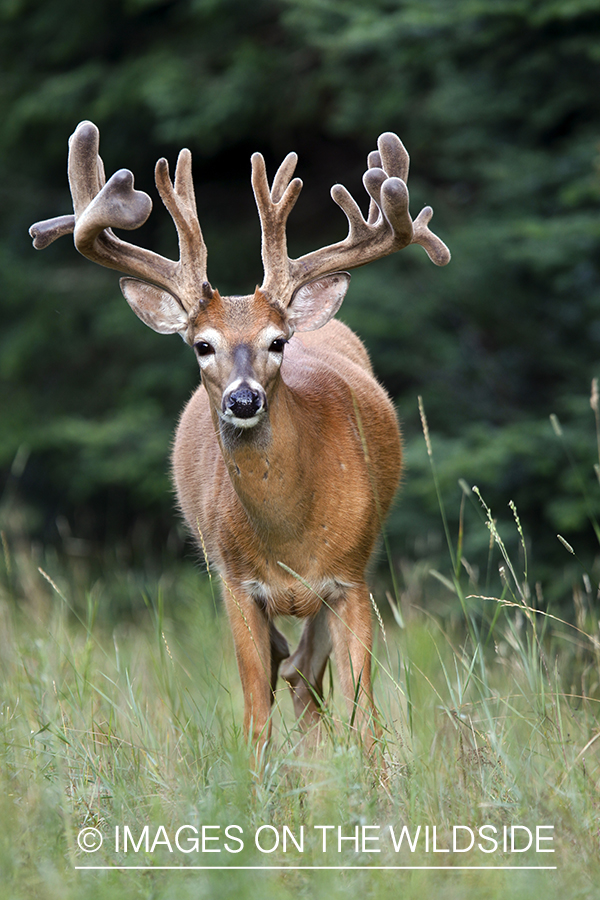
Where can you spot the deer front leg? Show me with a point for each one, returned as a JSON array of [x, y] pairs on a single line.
[[251, 632], [304, 670], [351, 633]]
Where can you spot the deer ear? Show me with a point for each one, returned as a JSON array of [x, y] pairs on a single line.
[[156, 308], [315, 303]]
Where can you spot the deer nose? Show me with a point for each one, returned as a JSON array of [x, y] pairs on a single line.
[[244, 402]]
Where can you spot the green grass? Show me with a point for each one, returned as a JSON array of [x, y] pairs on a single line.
[[138, 724]]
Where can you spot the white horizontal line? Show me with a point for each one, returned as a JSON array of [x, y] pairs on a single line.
[[344, 868]]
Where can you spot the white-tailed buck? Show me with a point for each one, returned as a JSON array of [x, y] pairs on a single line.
[[287, 457]]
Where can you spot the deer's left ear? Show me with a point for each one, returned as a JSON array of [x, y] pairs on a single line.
[[156, 308], [315, 303]]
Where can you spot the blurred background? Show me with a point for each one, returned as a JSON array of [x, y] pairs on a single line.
[[498, 104]]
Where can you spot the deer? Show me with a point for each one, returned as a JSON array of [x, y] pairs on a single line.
[[288, 455]]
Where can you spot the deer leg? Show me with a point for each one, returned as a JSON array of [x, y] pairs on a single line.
[[279, 651], [252, 641], [304, 669], [351, 633]]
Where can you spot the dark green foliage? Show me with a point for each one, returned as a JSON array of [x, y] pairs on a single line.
[[498, 104]]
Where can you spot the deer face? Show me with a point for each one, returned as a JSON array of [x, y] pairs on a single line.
[[238, 341]]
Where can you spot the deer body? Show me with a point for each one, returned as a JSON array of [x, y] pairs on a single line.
[[308, 488], [287, 457]]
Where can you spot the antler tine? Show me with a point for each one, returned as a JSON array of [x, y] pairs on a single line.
[[86, 179], [49, 230], [393, 225], [392, 159], [373, 162], [85, 174], [283, 177], [395, 160], [180, 201], [435, 248]]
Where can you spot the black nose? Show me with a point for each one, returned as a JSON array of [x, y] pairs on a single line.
[[244, 403]]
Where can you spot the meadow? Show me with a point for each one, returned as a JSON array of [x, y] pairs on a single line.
[[126, 731]]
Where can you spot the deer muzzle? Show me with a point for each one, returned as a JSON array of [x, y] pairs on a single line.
[[244, 404]]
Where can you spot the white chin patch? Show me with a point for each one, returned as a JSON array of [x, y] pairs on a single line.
[[242, 423]]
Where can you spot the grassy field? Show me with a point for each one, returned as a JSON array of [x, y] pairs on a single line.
[[132, 729]]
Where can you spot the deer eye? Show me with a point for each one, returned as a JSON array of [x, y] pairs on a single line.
[[277, 345], [203, 348]]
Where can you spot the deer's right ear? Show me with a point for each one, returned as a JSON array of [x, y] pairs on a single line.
[[156, 308]]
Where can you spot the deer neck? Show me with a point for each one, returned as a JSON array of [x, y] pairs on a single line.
[[267, 464]]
